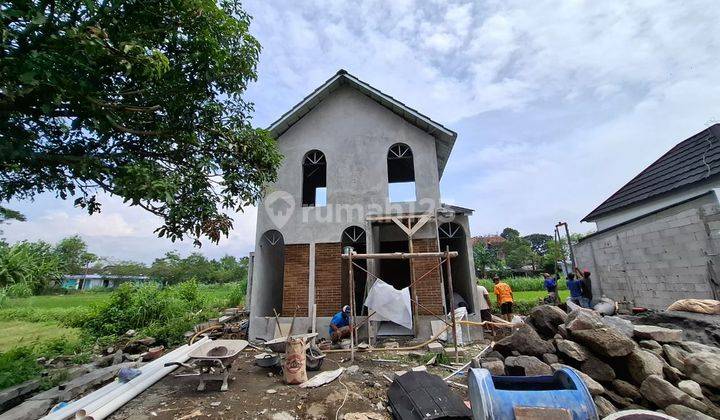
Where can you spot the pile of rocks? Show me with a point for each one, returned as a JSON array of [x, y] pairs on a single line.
[[625, 366], [133, 350]]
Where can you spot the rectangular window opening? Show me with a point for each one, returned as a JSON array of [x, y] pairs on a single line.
[[402, 192], [321, 197]]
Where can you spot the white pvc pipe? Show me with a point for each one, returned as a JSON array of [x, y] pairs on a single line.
[[121, 396], [101, 396], [70, 409], [143, 381]]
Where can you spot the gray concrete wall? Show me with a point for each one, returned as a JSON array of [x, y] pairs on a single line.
[[656, 260], [354, 132]]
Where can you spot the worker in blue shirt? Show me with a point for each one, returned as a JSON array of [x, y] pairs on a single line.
[[340, 325], [550, 285], [575, 287]]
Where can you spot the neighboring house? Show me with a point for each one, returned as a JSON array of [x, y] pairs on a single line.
[[658, 237], [354, 160], [92, 281]]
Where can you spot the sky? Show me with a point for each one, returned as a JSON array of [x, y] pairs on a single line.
[[556, 104]]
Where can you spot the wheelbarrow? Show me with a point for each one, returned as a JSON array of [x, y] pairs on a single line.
[[212, 361]]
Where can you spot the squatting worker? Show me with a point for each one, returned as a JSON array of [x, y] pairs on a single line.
[[504, 296], [340, 325]]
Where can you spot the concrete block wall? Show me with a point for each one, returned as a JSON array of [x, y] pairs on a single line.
[[328, 278], [296, 279], [429, 289], [658, 259]]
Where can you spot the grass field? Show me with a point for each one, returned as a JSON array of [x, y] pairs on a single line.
[[59, 301], [37, 319], [19, 333], [16, 326], [533, 296]]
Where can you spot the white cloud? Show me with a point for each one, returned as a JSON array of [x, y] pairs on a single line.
[[557, 104], [119, 232]]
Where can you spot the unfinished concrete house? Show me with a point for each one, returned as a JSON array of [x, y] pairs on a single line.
[[658, 237], [360, 170]]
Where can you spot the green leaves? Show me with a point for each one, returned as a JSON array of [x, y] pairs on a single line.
[[140, 99], [31, 263]]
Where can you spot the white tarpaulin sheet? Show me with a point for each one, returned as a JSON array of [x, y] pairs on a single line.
[[391, 304]]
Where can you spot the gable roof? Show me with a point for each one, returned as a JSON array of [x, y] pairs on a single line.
[[690, 162], [444, 137]]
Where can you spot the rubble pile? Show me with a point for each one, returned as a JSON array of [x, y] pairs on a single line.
[[625, 366]]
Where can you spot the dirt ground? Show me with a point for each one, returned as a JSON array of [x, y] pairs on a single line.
[[364, 391]]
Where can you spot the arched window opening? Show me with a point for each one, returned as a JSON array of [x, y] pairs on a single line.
[[354, 236], [452, 235], [314, 189], [401, 173]]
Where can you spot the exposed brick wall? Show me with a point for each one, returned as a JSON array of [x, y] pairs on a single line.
[[295, 282], [658, 259], [428, 290], [328, 274]]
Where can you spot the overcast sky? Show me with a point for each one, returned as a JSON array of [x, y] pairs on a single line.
[[556, 104]]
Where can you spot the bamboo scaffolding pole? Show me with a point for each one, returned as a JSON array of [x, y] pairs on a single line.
[[413, 292], [448, 268], [444, 256], [351, 280], [442, 261], [401, 255]]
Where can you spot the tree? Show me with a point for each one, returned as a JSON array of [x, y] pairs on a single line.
[[484, 258], [509, 233], [9, 214], [518, 252], [172, 269], [556, 253], [539, 242], [123, 268], [34, 264], [167, 269], [73, 254], [139, 99]]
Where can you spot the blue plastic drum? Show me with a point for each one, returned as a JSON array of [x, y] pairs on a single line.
[[560, 396]]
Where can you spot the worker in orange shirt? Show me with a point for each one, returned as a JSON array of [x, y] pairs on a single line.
[[504, 296]]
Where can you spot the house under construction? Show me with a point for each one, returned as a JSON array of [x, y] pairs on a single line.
[[361, 171]]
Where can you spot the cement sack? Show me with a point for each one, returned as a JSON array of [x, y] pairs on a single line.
[[606, 306], [294, 371], [390, 304], [460, 314], [701, 306]]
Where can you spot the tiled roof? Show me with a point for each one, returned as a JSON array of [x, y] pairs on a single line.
[[492, 240], [691, 161]]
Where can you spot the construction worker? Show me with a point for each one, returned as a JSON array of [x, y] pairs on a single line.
[[586, 287], [550, 285], [340, 325], [575, 287], [485, 304], [504, 296]]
